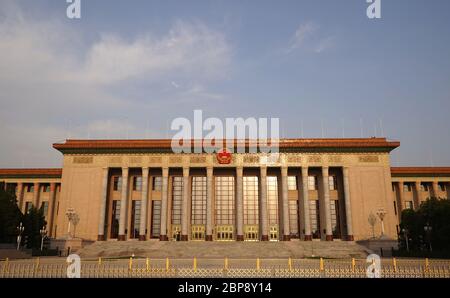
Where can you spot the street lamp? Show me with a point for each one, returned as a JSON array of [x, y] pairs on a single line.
[[20, 230], [405, 233], [427, 228], [43, 233], [70, 213], [372, 221], [381, 214]]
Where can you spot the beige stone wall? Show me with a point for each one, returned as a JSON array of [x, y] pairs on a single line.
[[81, 185]]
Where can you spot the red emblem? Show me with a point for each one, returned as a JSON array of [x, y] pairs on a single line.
[[224, 157]]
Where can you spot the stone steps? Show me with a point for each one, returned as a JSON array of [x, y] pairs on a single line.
[[200, 249]]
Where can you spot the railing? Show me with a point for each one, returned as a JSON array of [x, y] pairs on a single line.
[[205, 268]]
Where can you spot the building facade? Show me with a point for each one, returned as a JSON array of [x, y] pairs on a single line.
[[315, 189]]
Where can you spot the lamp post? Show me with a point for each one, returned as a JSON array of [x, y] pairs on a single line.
[[372, 221], [43, 233], [20, 230], [70, 213], [427, 228], [405, 233], [381, 214]]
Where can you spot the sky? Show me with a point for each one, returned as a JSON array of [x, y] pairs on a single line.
[[126, 69]]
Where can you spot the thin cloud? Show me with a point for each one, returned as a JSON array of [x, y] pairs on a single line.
[[54, 85], [303, 32]]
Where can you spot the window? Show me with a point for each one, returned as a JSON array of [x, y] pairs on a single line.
[[409, 205], [407, 187], [30, 188], [137, 183], [332, 182], [424, 187], [272, 200], [315, 218], [224, 206], [334, 210], [117, 183], [157, 183], [292, 182], [156, 219], [115, 219], [442, 186], [177, 195], [251, 210], [46, 188], [135, 218], [293, 218], [44, 206], [312, 183], [198, 210]]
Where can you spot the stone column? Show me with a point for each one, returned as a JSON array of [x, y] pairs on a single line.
[[263, 205], [401, 201], [418, 198], [164, 203], [51, 208], [19, 194], [144, 206], [209, 205], [184, 205], [348, 205], [305, 205], [285, 204], [239, 204], [101, 220], [36, 192], [326, 202], [123, 205], [435, 189]]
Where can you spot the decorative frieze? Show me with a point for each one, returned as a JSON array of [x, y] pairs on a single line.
[[369, 158], [83, 159], [334, 158], [115, 159], [294, 159], [251, 159], [175, 159], [155, 159], [135, 159], [197, 159], [314, 158]]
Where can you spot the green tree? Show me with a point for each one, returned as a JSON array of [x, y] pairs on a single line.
[[10, 216], [33, 222], [434, 212]]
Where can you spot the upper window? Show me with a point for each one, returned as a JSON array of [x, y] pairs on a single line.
[[157, 183], [312, 183], [442, 186], [424, 187], [30, 188], [292, 182], [137, 183], [332, 182], [406, 187], [117, 183]]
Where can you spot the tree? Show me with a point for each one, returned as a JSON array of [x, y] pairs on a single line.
[[10, 216], [434, 212], [33, 222]]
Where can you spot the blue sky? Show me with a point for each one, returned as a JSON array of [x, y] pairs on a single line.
[[127, 68]]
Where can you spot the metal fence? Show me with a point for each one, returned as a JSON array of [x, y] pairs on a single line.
[[234, 268]]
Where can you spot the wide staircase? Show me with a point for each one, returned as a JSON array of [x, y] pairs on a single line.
[[225, 249], [9, 251]]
